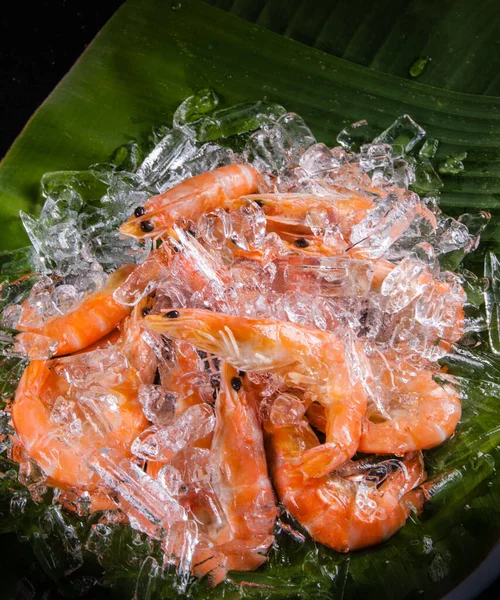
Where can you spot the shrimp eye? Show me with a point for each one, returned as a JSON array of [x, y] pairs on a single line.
[[147, 226], [259, 203], [145, 311], [301, 243], [172, 314], [139, 211], [236, 384]]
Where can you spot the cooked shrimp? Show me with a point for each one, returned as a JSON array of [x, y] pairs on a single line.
[[241, 484], [59, 429], [299, 356], [93, 318], [190, 199], [298, 213], [176, 378], [421, 415], [339, 512]]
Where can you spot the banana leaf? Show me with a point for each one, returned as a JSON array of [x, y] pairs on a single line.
[[346, 62]]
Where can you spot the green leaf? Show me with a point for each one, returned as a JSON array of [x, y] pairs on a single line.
[[155, 53]]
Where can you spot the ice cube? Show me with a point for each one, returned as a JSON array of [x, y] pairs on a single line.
[[286, 410], [353, 136], [158, 404], [99, 539], [195, 107], [147, 579], [162, 443], [248, 225], [387, 222], [317, 159], [238, 119], [405, 283], [151, 508], [34, 346], [105, 368], [404, 132], [271, 149], [450, 235], [56, 544], [178, 550], [374, 156], [327, 275], [492, 300], [171, 479], [215, 227], [169, 154], [426, 178]]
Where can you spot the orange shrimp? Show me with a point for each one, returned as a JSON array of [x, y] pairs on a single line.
[[339, 512], [419, 414], [299, 356], [174, 378], [190, 199], [297, 213], [422, 414], [93, 318], [241, 484], [59, 430]]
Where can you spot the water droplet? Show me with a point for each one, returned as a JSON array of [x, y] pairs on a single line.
[[453, 164], [418, 67]]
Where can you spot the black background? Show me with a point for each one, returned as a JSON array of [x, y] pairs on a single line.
[[40, 42]]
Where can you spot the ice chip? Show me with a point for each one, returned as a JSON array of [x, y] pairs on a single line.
[[238, 119], [104, 367], [178, 550], [328, 275], [171, 152], [374, 156], [353, 136], [405, 283], [216, 227], [162, 443], [248, 226], [195, 107], [404, 132], [286, 410], [317, 159], [492, 300], [158, 404], [150, 505], [171, 479]]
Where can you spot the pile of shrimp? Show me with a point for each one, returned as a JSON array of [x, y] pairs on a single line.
[[241, 367]]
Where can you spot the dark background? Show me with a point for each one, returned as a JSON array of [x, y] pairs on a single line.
[[40, 42]]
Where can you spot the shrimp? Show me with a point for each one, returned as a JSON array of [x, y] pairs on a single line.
[[419, 414], [423, 414], [338, 512], [297, 213], [190, 199], [299, 356], [176, 378], [93, 318], [59, 429], [241, 483]]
